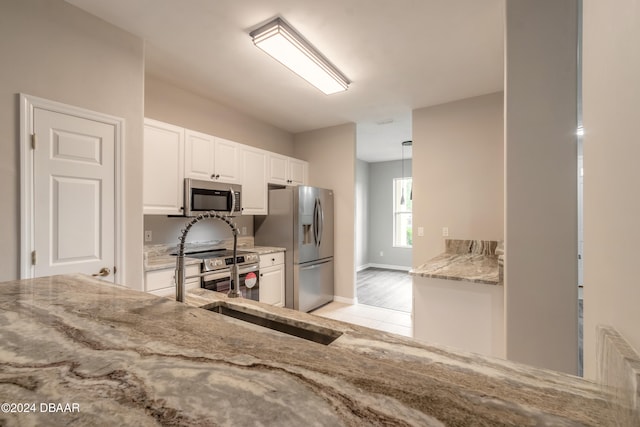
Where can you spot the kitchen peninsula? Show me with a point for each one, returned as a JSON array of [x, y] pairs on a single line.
[[458, 298], [131, 358]]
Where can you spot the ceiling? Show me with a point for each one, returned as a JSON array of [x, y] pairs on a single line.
[[400, 55]]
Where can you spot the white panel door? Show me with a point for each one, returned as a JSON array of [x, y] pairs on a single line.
[[74, 195]]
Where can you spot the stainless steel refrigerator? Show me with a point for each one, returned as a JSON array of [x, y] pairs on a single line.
[[300, 219]]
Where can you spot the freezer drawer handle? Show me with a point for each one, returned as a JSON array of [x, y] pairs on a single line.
[[309, 267]]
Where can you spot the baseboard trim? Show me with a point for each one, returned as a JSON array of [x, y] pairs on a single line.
[[362, 267], [389, 267], [344, 300]]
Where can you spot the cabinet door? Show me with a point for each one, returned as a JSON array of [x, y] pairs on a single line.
[[278, 169], [199, 154], [163, 168], [254, 184], [163, 282], [297, 172], [227, 164], [272, 285]]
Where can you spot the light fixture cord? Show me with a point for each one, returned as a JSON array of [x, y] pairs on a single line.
[[402, 181]]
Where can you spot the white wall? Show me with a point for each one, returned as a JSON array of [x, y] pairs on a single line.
[[53, 50], [171, 104], [380, 228], [331, 153], [457, 173], [362, 213], [541, 183], [611, 92]]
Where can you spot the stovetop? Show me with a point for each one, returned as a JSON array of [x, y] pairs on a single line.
[[222, 258], [215, 253]]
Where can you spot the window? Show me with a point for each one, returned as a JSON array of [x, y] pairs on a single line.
[[402, 205]]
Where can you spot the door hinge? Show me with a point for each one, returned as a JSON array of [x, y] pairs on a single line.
[[33, 257], [115, 270], [33, 141]]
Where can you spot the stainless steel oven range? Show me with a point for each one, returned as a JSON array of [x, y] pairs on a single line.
[[216, 271]]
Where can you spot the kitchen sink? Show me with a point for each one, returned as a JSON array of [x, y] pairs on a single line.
[[317, 334]]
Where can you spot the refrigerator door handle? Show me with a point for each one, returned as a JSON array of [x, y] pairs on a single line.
[[315, 222], [320, 221]]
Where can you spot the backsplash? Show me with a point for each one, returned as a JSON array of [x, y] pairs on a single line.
[[476, 247], [166, 230]]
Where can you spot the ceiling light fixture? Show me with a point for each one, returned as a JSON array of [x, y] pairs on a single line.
[[288, 47]]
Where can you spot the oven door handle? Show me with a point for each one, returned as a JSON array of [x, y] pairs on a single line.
[[215, 275], [249, 268]]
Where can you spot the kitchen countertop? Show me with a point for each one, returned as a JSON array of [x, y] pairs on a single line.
[[129, 358], [159, 257], [464, 260]]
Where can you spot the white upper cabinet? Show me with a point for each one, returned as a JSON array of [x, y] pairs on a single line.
[[163, 168], [298, 172], [199, 152], [285, 170], [172, 153], [254, 185], [227, 165], [210, 158]]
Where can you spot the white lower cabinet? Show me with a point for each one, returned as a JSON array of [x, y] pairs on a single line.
[[272, 279], [163, 282]]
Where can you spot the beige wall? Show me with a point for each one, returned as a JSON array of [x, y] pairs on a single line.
[[457, 173], [541, 280], [168, 103], [331, 153], [611, 90], [52, 50]]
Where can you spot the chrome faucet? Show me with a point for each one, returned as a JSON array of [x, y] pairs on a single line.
[[234, 289]]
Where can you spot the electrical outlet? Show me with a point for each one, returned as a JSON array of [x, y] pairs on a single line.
[[148, 236], [381, 253], [244, 231], [445, 231], [420, 231]]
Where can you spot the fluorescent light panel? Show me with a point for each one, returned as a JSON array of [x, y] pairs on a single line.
[[290, 49]]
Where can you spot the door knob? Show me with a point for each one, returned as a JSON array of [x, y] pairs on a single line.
[[103, 272]]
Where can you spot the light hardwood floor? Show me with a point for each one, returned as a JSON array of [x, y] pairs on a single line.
[[385, 288]]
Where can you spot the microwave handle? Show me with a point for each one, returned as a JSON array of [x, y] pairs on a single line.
[[233, 201]]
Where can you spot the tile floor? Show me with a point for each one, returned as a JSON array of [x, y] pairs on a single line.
[[383, 319]]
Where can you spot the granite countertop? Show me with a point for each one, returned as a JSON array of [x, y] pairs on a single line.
[[158, 257], [124, 357], [464, 260]]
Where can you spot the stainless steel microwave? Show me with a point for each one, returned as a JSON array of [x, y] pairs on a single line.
[[201, 196]]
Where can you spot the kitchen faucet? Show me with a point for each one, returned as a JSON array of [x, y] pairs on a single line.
[[234, 289]]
